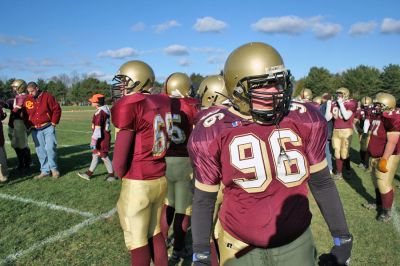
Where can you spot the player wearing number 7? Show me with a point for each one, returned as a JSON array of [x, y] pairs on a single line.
[[265, 150], [145, 125]]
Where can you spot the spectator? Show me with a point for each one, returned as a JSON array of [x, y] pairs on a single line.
[[44, 113], [3, 155], [101, 138], [18, 125]]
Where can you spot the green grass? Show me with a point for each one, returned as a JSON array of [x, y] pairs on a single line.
[[25, 225]]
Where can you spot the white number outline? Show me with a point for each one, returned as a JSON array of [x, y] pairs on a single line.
[[261, 166], [161, 141]]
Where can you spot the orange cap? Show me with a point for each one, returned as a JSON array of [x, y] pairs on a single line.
[[96, 98]]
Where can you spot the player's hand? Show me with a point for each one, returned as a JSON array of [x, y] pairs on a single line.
[[92, 144], [53, 124], [340, 253], [382, 165], [202, 258], [339, 100]]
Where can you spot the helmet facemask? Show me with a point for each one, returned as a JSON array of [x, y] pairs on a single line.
[[124, 85], [268, 96]]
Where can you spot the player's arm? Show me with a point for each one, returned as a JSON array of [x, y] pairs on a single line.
[[328, 111], [122, 152], [204, 199], [327, 197], [204, 156], [346, 114], [367, 123], [392, 140]]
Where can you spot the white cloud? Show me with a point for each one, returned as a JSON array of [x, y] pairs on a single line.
[[286, 24], [13, 41], [176, 49], [362, 28], [390, 25], [185, 62], [138, 26], [120, 53], [100, 75], [166, 25], [325, 31], [208, 50], [209, 24], [216, 60]]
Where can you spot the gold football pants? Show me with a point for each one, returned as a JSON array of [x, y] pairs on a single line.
[[341, 139], [384, 181]]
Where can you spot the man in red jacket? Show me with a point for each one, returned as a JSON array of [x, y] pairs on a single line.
[[44, 113]]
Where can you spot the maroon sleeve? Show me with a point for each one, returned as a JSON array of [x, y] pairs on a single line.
[[55, 109], [391, 121], [127, 105], [123, 152], [204, 154], [316, 138]]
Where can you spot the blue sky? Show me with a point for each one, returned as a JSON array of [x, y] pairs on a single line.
[[44, 38]]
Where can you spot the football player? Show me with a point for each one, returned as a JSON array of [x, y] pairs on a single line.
[[145, 128], [342, 111], [317, 100], [213, 96], [18, 125], [384, 148], [362, 122], [265, 155], [178, 207]]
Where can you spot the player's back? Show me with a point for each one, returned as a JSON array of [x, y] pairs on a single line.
[[149, 117], [183, 112]]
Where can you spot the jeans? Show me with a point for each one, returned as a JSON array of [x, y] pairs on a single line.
[[328, 154], [46, 148]]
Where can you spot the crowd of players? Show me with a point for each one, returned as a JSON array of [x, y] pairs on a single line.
[[236, 162]]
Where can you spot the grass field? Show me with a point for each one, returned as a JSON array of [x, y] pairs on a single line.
[[71, 221]]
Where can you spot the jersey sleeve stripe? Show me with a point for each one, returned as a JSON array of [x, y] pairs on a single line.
[[206, 188], [319, 166]]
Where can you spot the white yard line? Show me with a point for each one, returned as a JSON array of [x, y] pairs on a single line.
[[46, 205], [58, 236], [58, 145], [396, 219]]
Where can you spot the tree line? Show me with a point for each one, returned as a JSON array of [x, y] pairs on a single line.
[[361, 81]]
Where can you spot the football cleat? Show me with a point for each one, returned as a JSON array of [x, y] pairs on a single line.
[[177, 255], [369, 206], [337, 176], [385, 216], [85, 175]]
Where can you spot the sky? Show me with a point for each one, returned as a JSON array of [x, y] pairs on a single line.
[[46, 38]]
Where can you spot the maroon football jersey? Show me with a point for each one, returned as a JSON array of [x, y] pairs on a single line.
[[149, 117], [102, 119], [265, 196], [205, 112], [380, 126], [339, 122], [183, 112]]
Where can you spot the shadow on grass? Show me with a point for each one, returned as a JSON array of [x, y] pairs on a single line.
[[70, 159], [354, 180]]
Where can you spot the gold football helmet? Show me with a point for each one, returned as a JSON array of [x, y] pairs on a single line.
[[257, 66], [19, 86], [133, 76], [212, 91], [344, 92], [384, 102], [366, 101], [317, 99], [306, 94], [178, 85]]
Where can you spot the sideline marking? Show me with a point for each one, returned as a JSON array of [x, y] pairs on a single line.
[[58, 236], [46, 205]]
